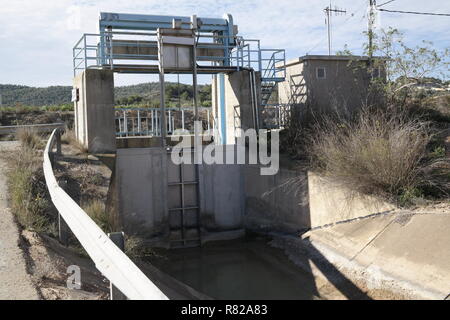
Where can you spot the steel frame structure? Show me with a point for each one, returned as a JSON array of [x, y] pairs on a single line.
[[96, 51], [127, 43]]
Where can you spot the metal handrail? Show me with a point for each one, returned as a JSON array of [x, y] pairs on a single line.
[[146, 121], [45, 127], [108, 258]]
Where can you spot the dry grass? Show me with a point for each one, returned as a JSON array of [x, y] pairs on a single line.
[[69, 138], [136, 248], [29, 137], [96, 210], [380, 152], [30, 200]]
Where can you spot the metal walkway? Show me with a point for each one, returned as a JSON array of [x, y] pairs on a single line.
[[128, 43]]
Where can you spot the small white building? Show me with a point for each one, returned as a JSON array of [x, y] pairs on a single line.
[[324, 81]]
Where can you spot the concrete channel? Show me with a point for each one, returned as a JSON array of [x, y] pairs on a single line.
[[245, 269]]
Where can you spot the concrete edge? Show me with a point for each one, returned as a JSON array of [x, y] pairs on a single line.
[[374, 277]]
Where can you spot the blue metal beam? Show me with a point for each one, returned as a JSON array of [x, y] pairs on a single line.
[[153, 22]]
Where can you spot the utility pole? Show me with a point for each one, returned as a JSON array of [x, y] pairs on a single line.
[[328, 10], [371, 22]]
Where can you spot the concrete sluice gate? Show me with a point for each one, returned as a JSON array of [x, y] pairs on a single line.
[[177, 204], [182, 204], [185, 204]]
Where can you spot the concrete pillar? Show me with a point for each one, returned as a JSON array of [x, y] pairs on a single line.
[[94, 110], [232, 104]]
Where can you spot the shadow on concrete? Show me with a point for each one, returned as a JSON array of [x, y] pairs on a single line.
[[334, 276]]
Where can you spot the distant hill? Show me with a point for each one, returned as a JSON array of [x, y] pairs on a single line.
[[12, 94], [140, 93]]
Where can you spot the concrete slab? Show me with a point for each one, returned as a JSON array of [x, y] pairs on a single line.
[[330, 203], [350, 238], [411, 250]]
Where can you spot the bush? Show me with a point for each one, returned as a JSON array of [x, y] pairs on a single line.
[[381, 152]]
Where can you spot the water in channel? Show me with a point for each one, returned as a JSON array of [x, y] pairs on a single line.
[[240, 269]]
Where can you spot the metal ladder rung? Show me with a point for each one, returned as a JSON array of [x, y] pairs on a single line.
[[178, 228], [183, 240], [183, 208], [183, 183]]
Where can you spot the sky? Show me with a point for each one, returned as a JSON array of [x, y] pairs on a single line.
[[37, 37]]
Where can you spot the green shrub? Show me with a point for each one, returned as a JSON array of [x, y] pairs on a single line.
[[135, 247], [438, 152], [409, 196]]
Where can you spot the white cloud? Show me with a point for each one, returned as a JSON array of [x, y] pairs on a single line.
[[37, 36]]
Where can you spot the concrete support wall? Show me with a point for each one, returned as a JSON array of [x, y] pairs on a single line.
[[293, 89], [142, 179], [331, 203], [235, 93], [222, 194], [142, 190], [292, 201], [278, 202], [231, 197], [94, 110]]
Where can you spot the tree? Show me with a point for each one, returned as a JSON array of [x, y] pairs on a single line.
[[405, 66]]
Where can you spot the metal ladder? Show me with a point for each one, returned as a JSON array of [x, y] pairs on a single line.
[[273, 71], [184, 206], [267, 87]]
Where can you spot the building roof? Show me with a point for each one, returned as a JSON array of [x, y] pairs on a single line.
[[329, 58]]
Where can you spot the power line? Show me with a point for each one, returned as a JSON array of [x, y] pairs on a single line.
[[385, 3], [415, 12]]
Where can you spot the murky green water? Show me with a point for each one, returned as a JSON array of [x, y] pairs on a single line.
[[245, 269]]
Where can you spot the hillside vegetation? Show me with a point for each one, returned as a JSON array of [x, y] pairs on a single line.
[[145, 93]]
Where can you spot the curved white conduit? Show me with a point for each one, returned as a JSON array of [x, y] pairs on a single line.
[[108, 258]]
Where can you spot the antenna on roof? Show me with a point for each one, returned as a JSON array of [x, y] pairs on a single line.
[[328, 12]]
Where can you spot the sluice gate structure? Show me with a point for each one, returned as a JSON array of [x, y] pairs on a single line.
[[173, 205]]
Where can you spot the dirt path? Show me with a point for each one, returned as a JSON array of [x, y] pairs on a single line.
[[15, 282]]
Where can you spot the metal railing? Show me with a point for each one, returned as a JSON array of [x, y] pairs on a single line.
[[276, 116], [47, 127], [95, 51], [147, 121], [274, 66], [108, 258]]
